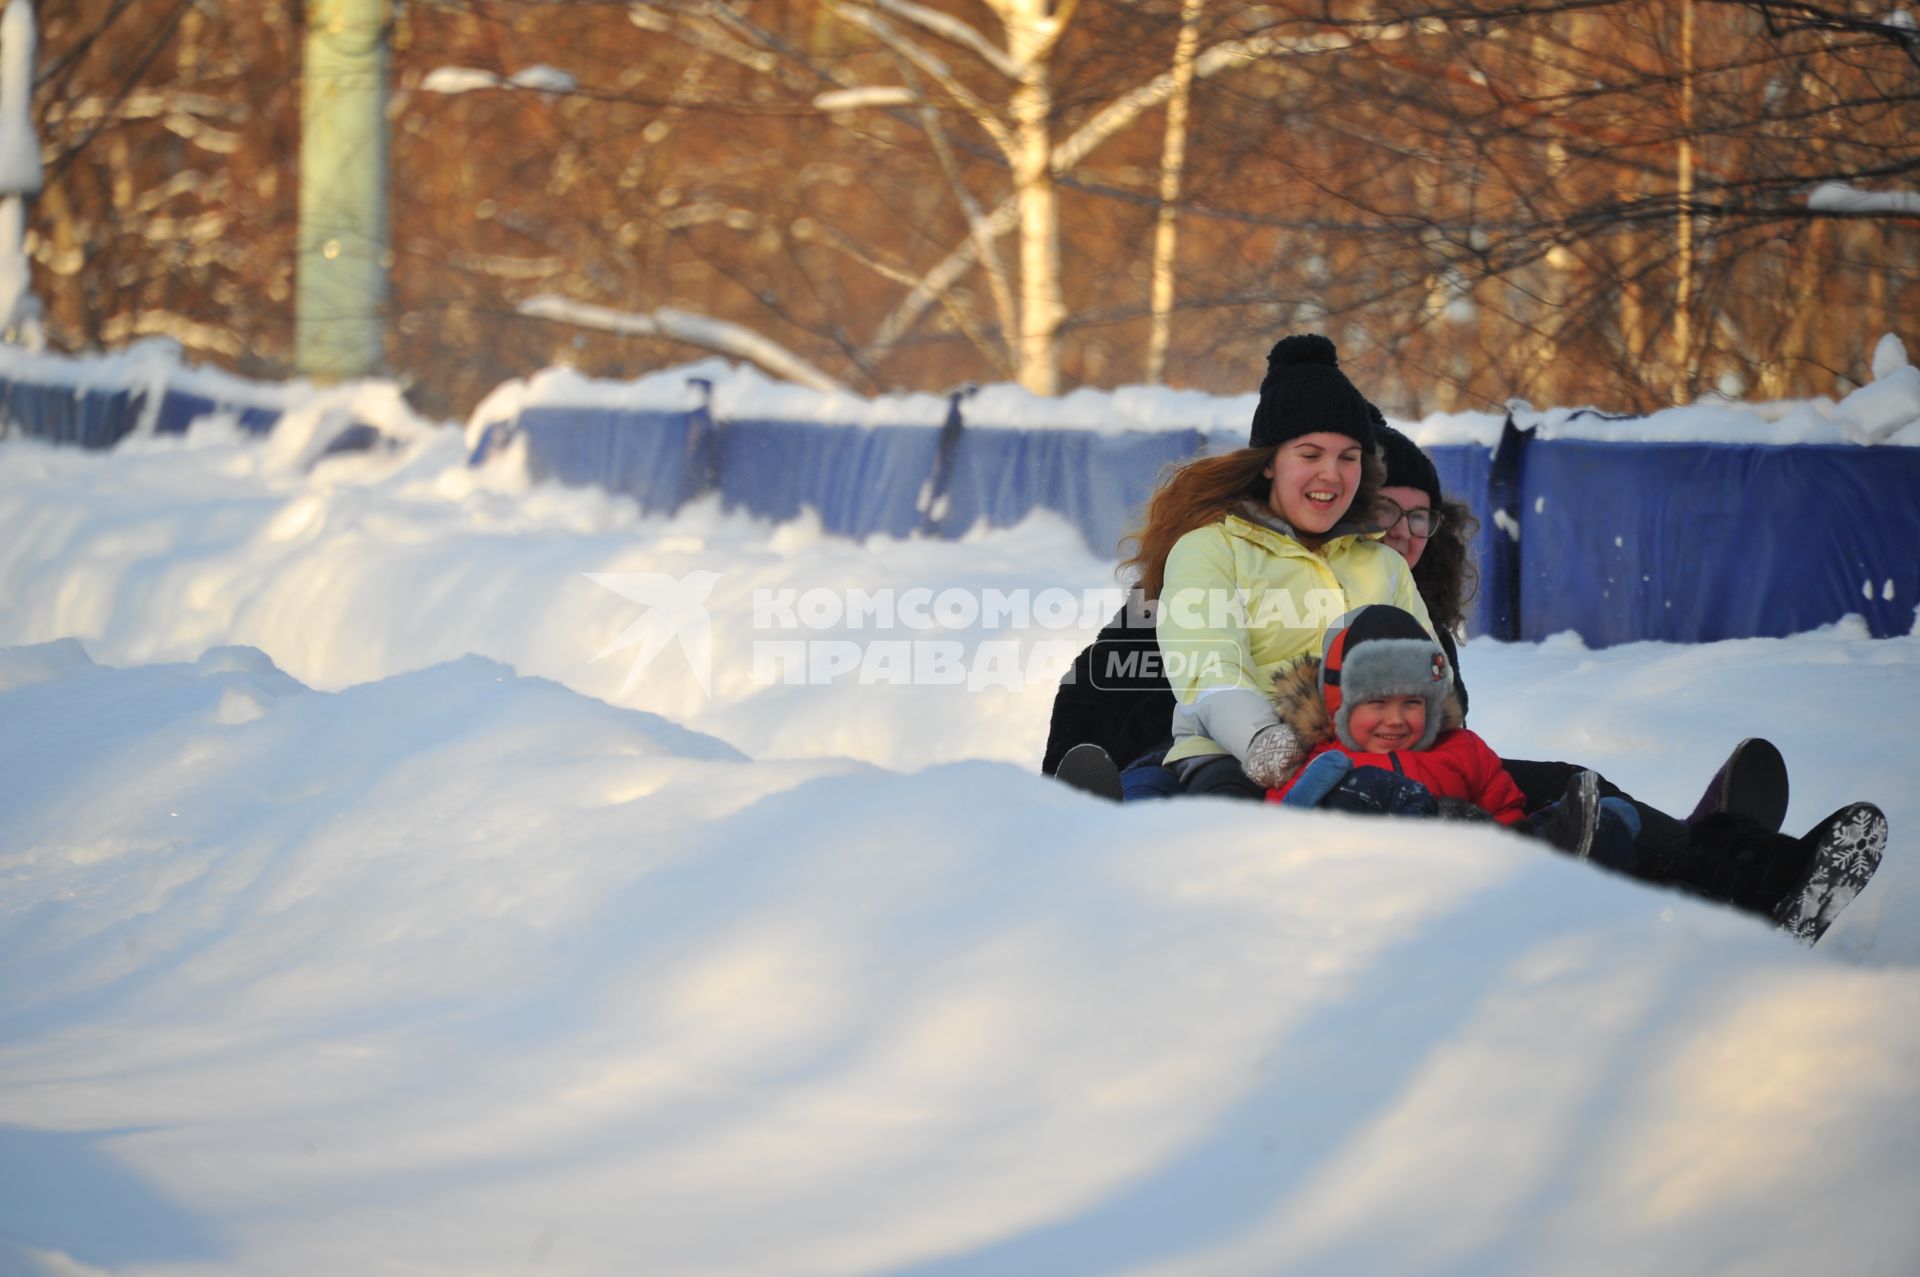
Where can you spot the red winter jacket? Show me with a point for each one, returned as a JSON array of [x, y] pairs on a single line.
[[1458, 765]]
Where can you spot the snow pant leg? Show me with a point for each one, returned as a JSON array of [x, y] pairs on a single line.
[[1541, 784], [1147, 780], [1738, 861], [1663, 850], [1613, 845], [1664, 845]]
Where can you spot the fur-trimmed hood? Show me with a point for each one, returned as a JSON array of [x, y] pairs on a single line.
[[1296, 698]]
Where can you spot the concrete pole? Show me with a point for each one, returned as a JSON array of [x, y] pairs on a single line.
[[19, 175], [341, 294]]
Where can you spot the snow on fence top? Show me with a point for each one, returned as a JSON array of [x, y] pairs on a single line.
[[153, 364], [1884, 411]]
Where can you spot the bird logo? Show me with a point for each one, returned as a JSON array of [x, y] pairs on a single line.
[[676, 610]]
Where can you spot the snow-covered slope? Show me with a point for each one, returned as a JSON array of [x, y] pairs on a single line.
[[355, 918], [461, 971]]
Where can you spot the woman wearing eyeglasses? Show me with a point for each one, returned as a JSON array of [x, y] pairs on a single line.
[[1431, 533]]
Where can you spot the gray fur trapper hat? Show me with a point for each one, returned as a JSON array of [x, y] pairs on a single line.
[[1381, 650]]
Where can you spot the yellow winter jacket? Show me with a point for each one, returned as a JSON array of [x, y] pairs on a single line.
[[1240, 599]]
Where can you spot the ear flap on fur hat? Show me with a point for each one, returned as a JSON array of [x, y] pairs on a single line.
[[1380, 650]]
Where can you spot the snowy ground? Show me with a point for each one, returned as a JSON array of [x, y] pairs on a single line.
[[354, 918]]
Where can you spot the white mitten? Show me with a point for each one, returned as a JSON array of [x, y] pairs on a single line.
[[1272, 756]]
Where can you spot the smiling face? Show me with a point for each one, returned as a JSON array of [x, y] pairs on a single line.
[[1388, 723], [1314, 480], [1400, 536]]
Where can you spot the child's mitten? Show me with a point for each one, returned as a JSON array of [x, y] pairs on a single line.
[[1317, 778]]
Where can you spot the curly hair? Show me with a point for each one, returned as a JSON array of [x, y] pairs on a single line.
[[1445, 576], [1209, 489]]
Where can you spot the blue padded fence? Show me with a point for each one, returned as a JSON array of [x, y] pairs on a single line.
[[1468, 474], [1696, 542], [179, 409], [90, 417], [94, 415], [1099, 483], [1617, 542], [655, 457], [861, 480], [903, 480]]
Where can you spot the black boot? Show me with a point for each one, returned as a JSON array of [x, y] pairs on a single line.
[[1751, 783], [1842, 853], [1740, 862], [1802, 883], [1569, 824], [1087, 767]]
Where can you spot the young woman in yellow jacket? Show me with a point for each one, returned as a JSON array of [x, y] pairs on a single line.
[[1250, 556]]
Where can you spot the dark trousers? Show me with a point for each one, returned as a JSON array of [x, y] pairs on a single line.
[[1221, 777], [1663, 848]]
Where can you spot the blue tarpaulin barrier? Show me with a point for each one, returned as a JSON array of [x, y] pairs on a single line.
[[97, 416], [860, 480], [863, 480], [1099, 483], [179, 408], [1696, 542], [90, 417], [1466, 474], [654, 457], [1617, 542], [1668, 505]]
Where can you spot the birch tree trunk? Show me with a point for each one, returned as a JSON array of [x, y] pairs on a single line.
[[1031, 34], [1173, 157], [1685, 362]]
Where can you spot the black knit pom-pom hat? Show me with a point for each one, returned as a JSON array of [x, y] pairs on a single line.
[[1305, 393], [1407, 466]]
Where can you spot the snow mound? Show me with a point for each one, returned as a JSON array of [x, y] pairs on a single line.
[[1889, 355], [457, 964], [1880, 409], [42, 663]]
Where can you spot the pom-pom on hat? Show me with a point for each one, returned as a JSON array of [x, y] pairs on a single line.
[[1407, 466], [1381, 650], [1305, 392]]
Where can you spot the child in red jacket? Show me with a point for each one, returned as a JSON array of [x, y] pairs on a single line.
[[1384, 724]]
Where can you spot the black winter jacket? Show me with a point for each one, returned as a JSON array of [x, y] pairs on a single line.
[[1117, 695]]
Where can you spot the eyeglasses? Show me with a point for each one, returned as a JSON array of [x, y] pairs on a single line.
[[1387, 512]]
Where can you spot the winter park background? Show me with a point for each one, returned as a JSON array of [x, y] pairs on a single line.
[[413, 858], [364, 907]]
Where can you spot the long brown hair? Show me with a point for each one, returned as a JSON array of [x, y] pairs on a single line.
[[1208, 490], [1445, 576]]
